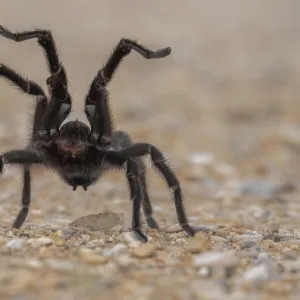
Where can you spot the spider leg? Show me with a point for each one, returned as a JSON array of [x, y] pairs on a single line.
[[26, 158], [45, 39], [25, 201], [97, 100], [121, 140], [142, 149], [132, 174], [25, 85], [60, 102]]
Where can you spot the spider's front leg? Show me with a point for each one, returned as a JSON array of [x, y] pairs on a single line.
[[25, 158], [142, 149], [97, 102], [45, 39]]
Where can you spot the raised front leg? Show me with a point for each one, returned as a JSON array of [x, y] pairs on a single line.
[[97, 102], [45, 39]]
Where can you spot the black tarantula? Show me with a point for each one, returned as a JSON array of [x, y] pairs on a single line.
[[77, 152]]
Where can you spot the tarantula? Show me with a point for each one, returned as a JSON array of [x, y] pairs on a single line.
[[80, 153]]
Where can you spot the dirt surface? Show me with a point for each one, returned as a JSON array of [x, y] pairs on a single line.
[[224, 109]]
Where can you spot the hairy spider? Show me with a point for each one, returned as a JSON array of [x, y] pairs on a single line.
[[81, 153]]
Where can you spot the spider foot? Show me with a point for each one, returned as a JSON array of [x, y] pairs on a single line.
[[20, 218], [4, 32], [1, 165], [160, 53], [140, 235], [151, 222], [189, 230]]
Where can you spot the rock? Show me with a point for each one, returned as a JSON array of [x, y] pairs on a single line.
[[249, 237], [42, 241], [273, 227], [262, 272], [61, 265], [16, 243], [174, 228], [259, 188], [213, 258], [144, 250], [247, 243], [100, 222], [289, 254], [116, 250], [3, 240], [218, 239], [199, 243], [224, 232], [92, 257]]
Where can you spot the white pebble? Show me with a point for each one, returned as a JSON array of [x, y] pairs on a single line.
[[214, 258], [117, 249], [15, 243]]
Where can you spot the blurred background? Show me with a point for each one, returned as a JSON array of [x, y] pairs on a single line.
[[229, 91]]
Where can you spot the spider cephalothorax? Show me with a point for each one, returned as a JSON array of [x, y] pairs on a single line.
[[81, 153]]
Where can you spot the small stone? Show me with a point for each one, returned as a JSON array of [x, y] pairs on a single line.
[[92, 257], [289, 253], [244, 244], [116, 250], [62, 265], [218, 239], [262, 272], [44, 241], [174, 228], [250, 237], [16, 243], [144, 250], [273, 227], [3, 240], [214, 258], [200, 243], [34, 263], [296, 235], [10, 233]]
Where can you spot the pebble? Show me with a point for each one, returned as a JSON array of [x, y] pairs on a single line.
[[92, 257], [116, 250], [62, 265], [144, 250], [218, 239], [289, 254], [200, 243], [42, 241], [273, 227], [264, 271], [213, 258], [244, 244], [249, 237], [3, 240], [16, 243], [174, 228]]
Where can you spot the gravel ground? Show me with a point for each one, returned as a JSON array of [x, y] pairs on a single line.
[[223, 107]]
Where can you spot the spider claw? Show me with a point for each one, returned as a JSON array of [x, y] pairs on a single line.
[[74, 187]]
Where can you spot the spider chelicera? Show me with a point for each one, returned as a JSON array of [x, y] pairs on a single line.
[[80, 153]]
